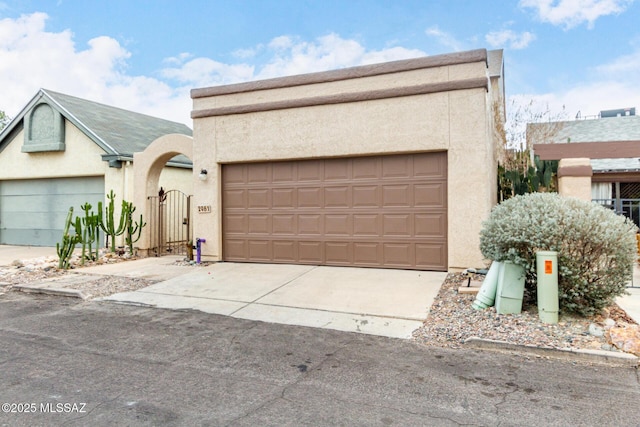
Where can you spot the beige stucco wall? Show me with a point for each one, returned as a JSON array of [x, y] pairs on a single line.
[[80, 158], [458, 122], [574, 186], [174, 178]]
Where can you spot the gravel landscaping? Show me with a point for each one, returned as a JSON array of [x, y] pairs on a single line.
[[452, 320]]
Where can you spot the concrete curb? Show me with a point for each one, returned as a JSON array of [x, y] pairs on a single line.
[[72, 293], [592, 356]]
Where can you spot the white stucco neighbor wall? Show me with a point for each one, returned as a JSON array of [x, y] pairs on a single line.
[[433, 104]]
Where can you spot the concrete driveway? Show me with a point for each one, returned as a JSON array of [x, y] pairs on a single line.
[[383, 302], [390, 303]]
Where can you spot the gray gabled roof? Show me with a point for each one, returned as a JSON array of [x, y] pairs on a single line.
[[623, 128], [120, 133]]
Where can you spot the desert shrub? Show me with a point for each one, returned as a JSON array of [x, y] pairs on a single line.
[[596, 248]]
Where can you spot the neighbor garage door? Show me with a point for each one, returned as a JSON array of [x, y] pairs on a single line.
[[33, 212], [383, 211]]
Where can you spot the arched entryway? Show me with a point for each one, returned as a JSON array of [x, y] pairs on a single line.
[[147, 168]]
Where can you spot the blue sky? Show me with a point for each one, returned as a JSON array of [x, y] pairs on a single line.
[[147, 55]]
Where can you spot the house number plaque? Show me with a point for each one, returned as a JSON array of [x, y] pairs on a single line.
[[204, 208]]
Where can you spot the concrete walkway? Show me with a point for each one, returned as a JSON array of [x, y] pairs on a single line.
[[390, 303]]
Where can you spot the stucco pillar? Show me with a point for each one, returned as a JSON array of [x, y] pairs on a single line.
[[147, 167], [574, 178]]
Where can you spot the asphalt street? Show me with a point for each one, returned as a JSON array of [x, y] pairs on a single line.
[[72, 363]]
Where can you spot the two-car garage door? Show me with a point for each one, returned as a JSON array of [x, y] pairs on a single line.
[[33, 212], [379, 211]]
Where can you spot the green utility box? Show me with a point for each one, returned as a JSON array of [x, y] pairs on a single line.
[[547, 272], [510, 289]]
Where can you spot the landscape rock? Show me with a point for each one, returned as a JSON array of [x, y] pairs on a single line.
[[626, 338], [596, 330]]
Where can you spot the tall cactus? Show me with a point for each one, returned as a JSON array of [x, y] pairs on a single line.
[[107, 222], [65, 250], [90, 233], [131, 228]]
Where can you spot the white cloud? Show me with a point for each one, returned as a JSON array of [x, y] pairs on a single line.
[[200, 72], [609, 88], [290, 55], [444, 38], [510, 39], [571, 13], [179, 59], [33, 58], [247, 53], [625, 67]]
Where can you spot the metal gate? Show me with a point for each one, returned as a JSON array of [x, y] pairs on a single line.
[[170, 223]]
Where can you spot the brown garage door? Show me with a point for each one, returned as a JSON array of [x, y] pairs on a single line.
[[383, 211]]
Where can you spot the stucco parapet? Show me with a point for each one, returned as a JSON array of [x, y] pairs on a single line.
[[478, 55], [422, 89]]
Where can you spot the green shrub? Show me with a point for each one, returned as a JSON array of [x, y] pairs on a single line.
[[596, 248]]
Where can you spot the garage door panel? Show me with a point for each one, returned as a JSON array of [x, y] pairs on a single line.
[[235, 249], [310, 197], [258, 173], [283, 198], [397, 196], [397, 254], [430, 195], [22, 220], [309, 171], [284, 172], [430, 256], [379, 211], [337, 170], [338, 253], [259, 250], [337, 225], [337, 197], [366, 225], [395, 225], [367, 253], [234, 176], [430, 225], [426, 165], [310, 224], [284, 251], [366, 168], [366, 196], [310, 252], [284, 224], [235, 199], [235, 223], [396, 167], [259, 224], [33, 212], [258, 199]]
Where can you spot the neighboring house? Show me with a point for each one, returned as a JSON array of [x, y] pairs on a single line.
[[389, 165], [63, 151], [611, 141]]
